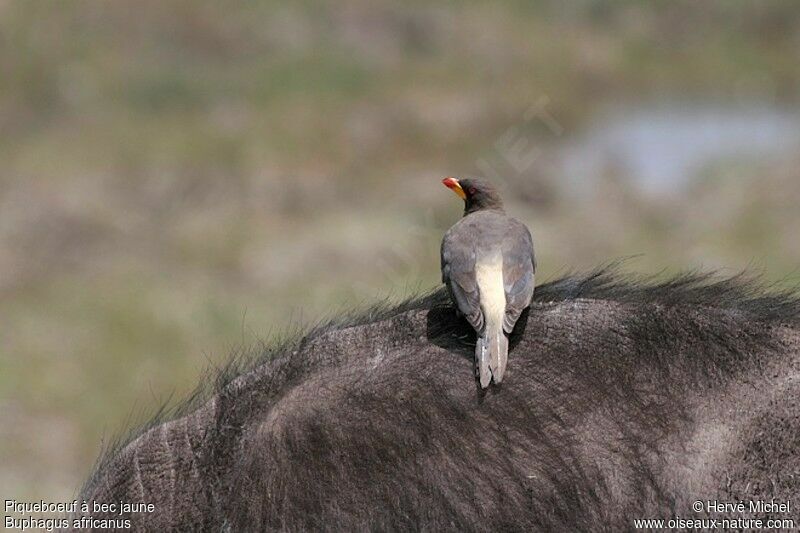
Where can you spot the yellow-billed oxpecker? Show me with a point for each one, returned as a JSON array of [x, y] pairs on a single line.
[[488, 266]]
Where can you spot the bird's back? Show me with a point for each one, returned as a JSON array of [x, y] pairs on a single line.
[[482, 231]]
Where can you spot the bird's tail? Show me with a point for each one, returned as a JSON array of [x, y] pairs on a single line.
[[491, 354], [491, 350]]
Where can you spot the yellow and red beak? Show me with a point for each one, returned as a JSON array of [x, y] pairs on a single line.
[[452, 184]]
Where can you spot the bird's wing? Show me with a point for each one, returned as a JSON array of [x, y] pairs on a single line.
[[519, 266], [458, 273]]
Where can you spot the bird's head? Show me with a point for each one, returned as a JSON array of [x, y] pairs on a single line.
[[477, 193]]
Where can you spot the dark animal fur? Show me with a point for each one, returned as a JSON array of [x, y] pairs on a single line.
[[623, 399]]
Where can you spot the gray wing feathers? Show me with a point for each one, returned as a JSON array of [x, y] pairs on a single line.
[[458, 274], [519, 266]]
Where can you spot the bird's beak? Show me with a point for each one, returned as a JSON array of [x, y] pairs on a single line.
[[452, 183]]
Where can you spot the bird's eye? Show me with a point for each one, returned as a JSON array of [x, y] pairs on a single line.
[[471, 190]]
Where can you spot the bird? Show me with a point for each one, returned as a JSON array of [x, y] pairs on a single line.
[[488, 265]]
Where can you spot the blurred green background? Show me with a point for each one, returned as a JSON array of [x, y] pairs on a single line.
[[179, 179]]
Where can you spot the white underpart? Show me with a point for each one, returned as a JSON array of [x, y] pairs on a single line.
[[489, 276]]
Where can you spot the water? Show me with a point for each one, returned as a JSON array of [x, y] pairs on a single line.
[[662, 149]]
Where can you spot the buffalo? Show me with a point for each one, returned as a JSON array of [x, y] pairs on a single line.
[[625, 400]]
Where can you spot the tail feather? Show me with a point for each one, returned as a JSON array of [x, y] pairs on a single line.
[[499, 357], [491, 351], [491, 355], [482, 362]]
